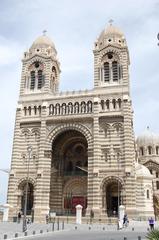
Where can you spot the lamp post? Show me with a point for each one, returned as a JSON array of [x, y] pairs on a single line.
[[29, 151]]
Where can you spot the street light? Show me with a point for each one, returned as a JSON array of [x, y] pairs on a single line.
[[29, 151]]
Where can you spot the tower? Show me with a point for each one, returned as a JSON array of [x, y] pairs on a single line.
[[41, 68], [113, 121], [39, 80]]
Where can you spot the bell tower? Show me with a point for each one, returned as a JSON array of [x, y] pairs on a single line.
[[111, 59], [41, 68]]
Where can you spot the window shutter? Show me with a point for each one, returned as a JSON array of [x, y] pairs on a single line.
[[106, 72], [32, 84], [115, 71]]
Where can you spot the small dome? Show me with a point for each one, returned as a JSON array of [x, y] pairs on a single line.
[[147, 138], [42, 45], [43, 41], [111, 35], [111, 31], [141, 170]]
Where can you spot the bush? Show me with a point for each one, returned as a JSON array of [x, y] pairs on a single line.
[[153, 235]]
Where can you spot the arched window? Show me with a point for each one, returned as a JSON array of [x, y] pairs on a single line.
[[70, 108], [36, 75], [35, 110], [63, 108], [102, 104], [76, 107], [83, 107], [54, 71], [148, 194], [107, 104], [141, 151], [89, 106], [25, 111], [114, 103], [51, 109], [120, 71], [39, 108], [40, 79], [57, 108], [29, 110], [149, 150], [157, 150], [157, 185], [115, 71], [106, 72], [32, 83], [119, 103]]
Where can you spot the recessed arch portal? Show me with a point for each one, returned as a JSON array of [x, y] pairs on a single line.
[[112, 189], [26, 187], [69, 161]]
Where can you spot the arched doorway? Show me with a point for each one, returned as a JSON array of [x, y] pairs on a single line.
[[69, 161], [30, 196], [112, 197]]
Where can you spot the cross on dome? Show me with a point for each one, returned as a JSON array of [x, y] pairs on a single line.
[[111, 21], [44, 32]]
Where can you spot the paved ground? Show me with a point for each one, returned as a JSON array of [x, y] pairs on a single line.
[[87, 231], [89, 235]]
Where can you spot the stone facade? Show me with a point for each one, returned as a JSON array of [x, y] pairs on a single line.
[[147, 146], [82, 142]]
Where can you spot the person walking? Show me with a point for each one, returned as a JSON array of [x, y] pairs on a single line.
[[47, 218], [125, 220], [19, 217], [151, 223]]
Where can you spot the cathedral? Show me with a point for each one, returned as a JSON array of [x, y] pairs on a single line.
[[78, 147]]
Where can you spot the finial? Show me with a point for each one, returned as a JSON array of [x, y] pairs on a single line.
[[110, 22], [44, 33]]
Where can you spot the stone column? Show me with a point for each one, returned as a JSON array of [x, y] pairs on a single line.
[[42, 195], [96, 158], [129, 161]]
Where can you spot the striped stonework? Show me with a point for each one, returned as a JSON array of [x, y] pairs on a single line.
[[82, 142]]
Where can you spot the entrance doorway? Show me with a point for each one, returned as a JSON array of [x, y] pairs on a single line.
[[112, 195], [68, 186]]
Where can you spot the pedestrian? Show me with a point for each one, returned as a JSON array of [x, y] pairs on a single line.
[[125, 220], [28, 221], [151, 223], [19, 217], [91, 216], [47, 218]]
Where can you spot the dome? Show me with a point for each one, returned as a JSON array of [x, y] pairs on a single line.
[[111, 35], [111, 31], [43, 41], [147, 138], [141, 170], [43, 44]]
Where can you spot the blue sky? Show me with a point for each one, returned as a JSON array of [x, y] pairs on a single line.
[[74, 26]]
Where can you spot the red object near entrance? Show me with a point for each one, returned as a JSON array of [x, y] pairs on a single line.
[[72, 202]]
